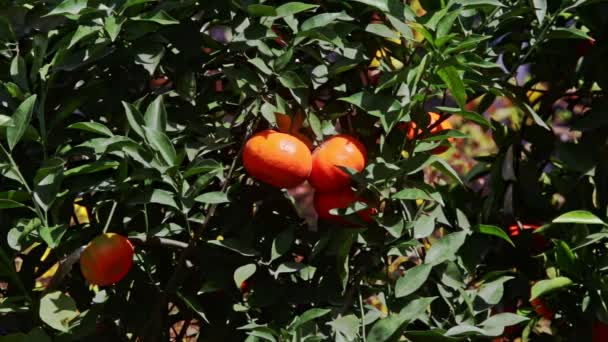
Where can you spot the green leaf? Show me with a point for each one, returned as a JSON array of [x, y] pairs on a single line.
[[537, 119], [282, 243], [477, 3], [193, 303], [161, 143], [382, 31], [156, 115], [540, 9], [149, 56], [48, 181], [445, 24], [578, 216], [113, 25], [58, 310], [492, 292], [93, 127], [160, 17], [384, 107], [452, 80], [81, 33], [496, 324], [389, 328], [215, 197], [394, 7], [93, 167], [257, 10], [308, 316], [19, 73], [21, 120], [412, 194], [424, 226], [292, 8], [69, 7], [135, 119], [159, 196], [568, 33], [495, 231], [243, 273], [323, 20], [234, 245], [471, 116], [413, 279], [10, 204], [52, 235], [345, 328], [549, 285], [565, 258], [445, 248]]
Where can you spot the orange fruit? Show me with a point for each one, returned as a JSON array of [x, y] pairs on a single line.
[[107, 259], [160, 82], [341, 199], [412, 132], [541, 308], [339, 150], [293, 127], [278, 159]]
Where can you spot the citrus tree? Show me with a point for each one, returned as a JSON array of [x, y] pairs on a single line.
[[365, 170]]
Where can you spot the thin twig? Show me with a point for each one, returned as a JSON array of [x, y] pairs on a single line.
[[105, 228], [157, 241]]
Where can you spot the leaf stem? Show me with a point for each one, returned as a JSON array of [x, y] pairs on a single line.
[[105, 228]]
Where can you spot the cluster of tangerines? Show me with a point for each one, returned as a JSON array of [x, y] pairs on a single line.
[[284, 159]]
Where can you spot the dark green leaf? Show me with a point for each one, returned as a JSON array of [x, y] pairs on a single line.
[[19, 73], [445, 248], [156, 115], [243, 273], [21, 120], [58, 311], [452, 80], [495, 231], [258, 10], [213, 197], [94, 127], [578, 216], [413, 279], [549, 285]]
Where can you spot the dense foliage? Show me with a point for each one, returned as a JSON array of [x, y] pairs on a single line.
[[130, 116]]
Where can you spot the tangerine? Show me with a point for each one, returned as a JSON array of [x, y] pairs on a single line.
[[294, 127], [339, 150], [107, 259], [326, 201], [412, 132], [278, 159]]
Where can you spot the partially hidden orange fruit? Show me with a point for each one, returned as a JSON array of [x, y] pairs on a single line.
[[278, 159], [412, 131], [293, 126], [107, 259], [339, 150], [324, 202]]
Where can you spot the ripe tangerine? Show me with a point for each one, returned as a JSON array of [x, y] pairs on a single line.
[[107, 259], [412, 132], [339, 150], [278, 159], [341, 199]]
